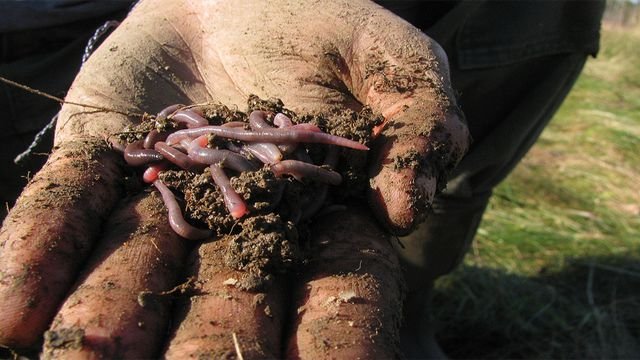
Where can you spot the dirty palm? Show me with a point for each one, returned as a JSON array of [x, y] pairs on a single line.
[[79, 248]]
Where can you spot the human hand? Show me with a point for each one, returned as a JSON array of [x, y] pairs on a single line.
[[313, 57]]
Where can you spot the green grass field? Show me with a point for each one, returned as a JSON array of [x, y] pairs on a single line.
[[555, 268]]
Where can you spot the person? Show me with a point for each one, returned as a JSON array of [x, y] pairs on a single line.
[[512, 64], [313, 56]]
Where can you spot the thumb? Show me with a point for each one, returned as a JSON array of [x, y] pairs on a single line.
[[401, 73], [410, 167]]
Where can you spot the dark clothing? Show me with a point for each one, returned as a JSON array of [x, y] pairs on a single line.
[[512, 63], [47, 59], [485, 35], [23, 15]]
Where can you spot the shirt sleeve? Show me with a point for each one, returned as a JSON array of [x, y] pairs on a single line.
[[507, 32], [29, 15]]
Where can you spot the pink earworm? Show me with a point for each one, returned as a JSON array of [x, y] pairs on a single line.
[[176, 220], [234, 202], [279, 136]]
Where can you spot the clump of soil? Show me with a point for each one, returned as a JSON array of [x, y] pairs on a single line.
[[68, 338], [352, 125], [271, 237], [266, 243]]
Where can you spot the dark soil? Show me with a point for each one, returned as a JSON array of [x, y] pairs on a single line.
[[271, 238], [70, 338]]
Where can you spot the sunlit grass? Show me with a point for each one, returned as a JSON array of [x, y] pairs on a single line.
[[555, 269]]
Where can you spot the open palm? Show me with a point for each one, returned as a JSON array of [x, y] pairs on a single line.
[[96, 267]]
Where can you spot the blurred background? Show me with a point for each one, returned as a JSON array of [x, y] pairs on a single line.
[[555, 269]]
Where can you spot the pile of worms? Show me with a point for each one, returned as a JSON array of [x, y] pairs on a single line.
[[267, 140]]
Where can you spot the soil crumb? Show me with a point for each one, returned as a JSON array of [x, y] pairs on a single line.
[[68, 338], [272, 238]]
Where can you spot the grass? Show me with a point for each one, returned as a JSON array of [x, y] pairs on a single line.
[[555, 268]]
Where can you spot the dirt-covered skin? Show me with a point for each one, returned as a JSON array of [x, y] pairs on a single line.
[[397, 72], [48, 233], [349, 304], [133, 267], [315, 56], [254, 315]]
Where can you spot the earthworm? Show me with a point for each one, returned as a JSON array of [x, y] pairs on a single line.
[[176, 156], [197, 110], [245, 153], [168, 111], [307, 127], [182, 148], [257, 120], [288, 135], [282, 121], [135, 155], [287, 148], [301, 170], [234, 124], [229, 159], [176, 220], [239, 149], [153, 137], [266, 152], [234, 202], [153, 171], [189, 134], [185, 144], [248, 142], [189, 118]]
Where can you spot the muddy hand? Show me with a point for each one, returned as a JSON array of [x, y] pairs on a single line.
[[403, 74], [97, 268], [350, 54]]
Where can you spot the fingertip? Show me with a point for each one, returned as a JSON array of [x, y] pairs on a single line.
[[353, 276], [401, 188], [391, 199], [222, 306]]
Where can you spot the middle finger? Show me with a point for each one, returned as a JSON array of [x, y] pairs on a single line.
[[222, 317], [117, 309]]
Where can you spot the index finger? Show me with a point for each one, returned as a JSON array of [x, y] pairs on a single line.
[[49, 233]]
